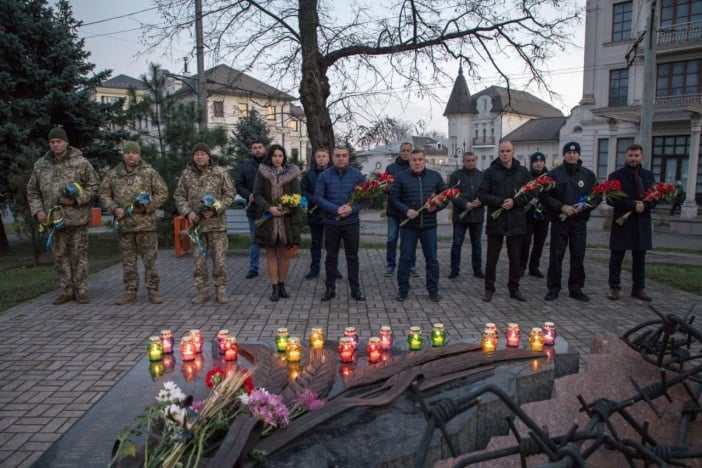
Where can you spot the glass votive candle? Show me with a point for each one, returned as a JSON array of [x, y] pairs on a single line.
[[415, 339], [489, 341], [536, 339], [386, 337], [197, 340], [317, 338], [281, 340], [167, 341], [351, 333], [221, 339], [549, 333], [154, 349], [187, 349], [347, 349], [492, 326], [231, 349], [438, 335], [293, 352], [514, 335], [374, 350]]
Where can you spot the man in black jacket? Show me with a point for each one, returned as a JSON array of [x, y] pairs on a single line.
[[501, 181], [410, 191], [536, 223], [244, 187], [569, 197], [315, 218], [468, 180], [393, 216]]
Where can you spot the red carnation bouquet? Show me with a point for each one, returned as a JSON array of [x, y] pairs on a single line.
[[542, 183], [660, 191], [376, 183], [609, 189], [437, 201]]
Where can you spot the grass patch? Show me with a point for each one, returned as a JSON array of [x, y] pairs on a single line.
[[21, 280], [685, 277]]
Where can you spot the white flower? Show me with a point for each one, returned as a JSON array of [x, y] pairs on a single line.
[[244, 399], [174, 414], [170, 393]]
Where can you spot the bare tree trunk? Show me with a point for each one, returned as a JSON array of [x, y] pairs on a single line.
[[4, 244], [314, 86]]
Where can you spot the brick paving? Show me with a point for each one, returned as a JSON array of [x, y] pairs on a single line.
[[57, 361]]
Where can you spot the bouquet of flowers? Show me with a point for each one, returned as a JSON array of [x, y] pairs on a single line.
[[186, 429], [54, 218], [437, 201], [209, 203], [542, 183], [142, 200], [377, 182], [611, 189], [659, 191], [285, 203]]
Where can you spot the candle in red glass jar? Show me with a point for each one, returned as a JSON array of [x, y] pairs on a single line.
[[549, 333], [351, 333], [347, 349], [514, 335], [374, 350], [197, 340], [187, 349], [231, 349], [386, 337], [167, 341]]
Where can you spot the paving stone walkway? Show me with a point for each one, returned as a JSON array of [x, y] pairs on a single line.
[[57, 361]]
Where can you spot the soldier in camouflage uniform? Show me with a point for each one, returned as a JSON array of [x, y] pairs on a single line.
[[137, 224], [201, 178], [61, 165]]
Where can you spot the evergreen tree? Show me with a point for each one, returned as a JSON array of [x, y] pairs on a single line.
[[45, 80]]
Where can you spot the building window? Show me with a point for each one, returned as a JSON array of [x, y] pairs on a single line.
[[674, 12], [602, 157], [218, 108], [243, 109], [618, 87], [621, 21], [679, 78], [622, 145], [294, 125], [270, 113]]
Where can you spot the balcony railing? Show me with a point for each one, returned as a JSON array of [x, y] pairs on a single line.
[[487, 140], [681, 99], [683, 32]]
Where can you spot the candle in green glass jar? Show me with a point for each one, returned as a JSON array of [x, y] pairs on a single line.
[[438, 335], [154, 349], [415, 339], [281, 340]]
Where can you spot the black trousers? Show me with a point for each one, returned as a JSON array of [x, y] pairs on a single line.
[[514, 249], [638, 269], [334, 234], [570, 234], [535, 238]]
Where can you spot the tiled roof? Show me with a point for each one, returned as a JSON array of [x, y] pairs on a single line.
[[223, 79], [544, 129], [460, 102], [123, 82], [518, 102]]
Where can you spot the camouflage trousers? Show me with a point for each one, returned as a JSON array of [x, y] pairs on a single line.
[[70, 247], [144, 245], [216, 245]]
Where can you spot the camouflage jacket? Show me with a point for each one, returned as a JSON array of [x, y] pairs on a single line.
[[195, 184], [48, 181], [119, 188]]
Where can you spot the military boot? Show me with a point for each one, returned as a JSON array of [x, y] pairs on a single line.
[[66, 296], [155, 297], [129, 297], [82, 297], [222, 297], [201, 297]]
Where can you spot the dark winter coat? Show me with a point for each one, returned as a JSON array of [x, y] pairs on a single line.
[[411, 191], [468, 183], [400, 165], [636, 233], [245, 178], [499, 184], [308, 184], [333, 189], [291, 222], [573, 181]]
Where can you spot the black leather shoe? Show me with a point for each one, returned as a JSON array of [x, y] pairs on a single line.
[[517, 295], [579, 295], [311, 275], [453, 274], [552, 295], [358, 295], [434, 296], [479, 274], [536, 273], [488, 296], [251, 274], [282, 292], [401, 297], [274, 293], [329, 293]]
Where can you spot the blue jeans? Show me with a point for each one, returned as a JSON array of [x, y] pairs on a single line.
[[254, 249], [408, 248], [391, 244], [459, 234]]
